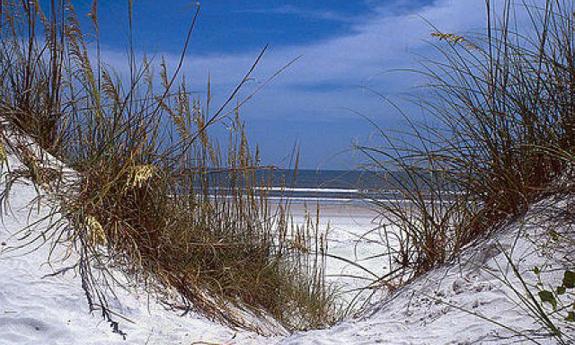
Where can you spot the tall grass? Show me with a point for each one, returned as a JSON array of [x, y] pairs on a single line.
[[156, 197], [501, 129]]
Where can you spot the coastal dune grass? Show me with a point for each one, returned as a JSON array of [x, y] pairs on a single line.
[[498, 137], [156, 197], [500, 130]]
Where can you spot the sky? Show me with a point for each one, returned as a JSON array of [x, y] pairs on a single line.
[[350, 55]]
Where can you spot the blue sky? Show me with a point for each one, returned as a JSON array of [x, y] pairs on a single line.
[[232, 26], [346, 49]]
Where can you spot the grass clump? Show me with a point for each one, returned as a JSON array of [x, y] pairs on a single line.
[[503, 130], [499, 137], [156, 198]]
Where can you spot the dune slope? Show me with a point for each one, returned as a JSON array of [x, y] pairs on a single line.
[[472, 301]]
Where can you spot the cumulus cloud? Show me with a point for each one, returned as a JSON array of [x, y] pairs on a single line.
[[332, 75]]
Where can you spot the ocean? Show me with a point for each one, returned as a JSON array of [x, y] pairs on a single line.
[[330, 186], [333, 186]]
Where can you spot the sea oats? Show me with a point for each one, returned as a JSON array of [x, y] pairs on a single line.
[[140, 174], [3, 155], [95, 231], [454, 39]]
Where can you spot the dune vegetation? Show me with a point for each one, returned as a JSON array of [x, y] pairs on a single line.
[[499, 136], [156, 197]]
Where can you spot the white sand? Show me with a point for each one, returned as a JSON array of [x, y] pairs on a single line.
[[35, 309], [354, 234], [39, 310]]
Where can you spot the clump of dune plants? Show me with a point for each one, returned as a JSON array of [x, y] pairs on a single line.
[[499, 136], [500, 129], [156, 197]]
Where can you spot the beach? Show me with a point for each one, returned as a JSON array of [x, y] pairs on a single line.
[[354, 237]]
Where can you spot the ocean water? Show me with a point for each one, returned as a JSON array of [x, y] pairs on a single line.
[[327, 186], [331, 186]]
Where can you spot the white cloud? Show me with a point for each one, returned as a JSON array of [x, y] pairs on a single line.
[[329, 70], [330, 73], [381, 42], [292, 10]]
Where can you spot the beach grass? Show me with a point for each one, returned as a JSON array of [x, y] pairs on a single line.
[[157, 197], [499, 132]]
